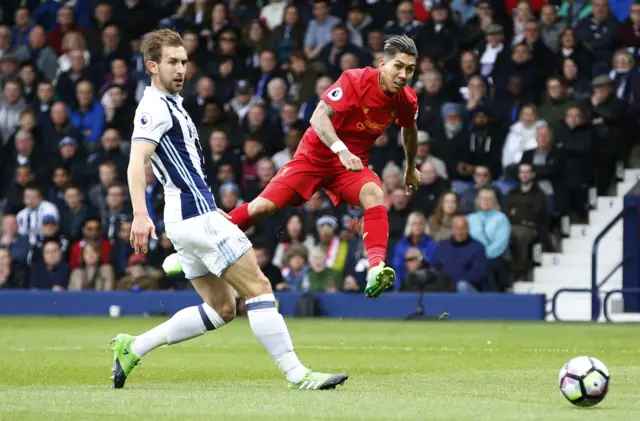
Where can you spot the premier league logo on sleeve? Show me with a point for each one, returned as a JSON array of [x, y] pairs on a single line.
[[145, 120]]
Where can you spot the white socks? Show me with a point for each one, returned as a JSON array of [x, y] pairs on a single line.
[[186, 324], [269, 327]]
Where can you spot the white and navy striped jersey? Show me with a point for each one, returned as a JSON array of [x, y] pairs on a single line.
[[178, 161]]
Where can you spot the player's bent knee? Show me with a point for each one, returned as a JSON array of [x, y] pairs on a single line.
[[224, 306], [371, 195], [262, 207]]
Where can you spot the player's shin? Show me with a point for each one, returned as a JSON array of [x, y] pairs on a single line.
[[376, 234], [186, 324], [270, 329]]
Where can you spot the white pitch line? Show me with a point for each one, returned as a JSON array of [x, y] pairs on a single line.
[[358, 348]]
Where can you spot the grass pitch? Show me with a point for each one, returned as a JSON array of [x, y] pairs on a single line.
[[59, 368]]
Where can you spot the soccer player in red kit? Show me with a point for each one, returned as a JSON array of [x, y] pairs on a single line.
[[334, 152]]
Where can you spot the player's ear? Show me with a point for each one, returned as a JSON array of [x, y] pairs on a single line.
[[382, 62], [152, 66]]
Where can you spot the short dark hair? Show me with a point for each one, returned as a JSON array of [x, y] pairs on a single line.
[[400, 44]]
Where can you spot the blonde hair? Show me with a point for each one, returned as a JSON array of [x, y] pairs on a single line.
[[412, 216], [151, 46]]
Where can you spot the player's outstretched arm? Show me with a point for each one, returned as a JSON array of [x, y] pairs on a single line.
[[142, 226], [412, 177], [321, 123]]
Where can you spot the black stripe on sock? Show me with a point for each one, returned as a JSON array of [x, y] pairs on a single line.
[[205, 318], [260, 305]]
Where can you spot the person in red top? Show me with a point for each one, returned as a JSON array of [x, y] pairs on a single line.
[[334, 152]]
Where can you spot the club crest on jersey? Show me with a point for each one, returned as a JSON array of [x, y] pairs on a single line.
[[335, 94], [145, 120]]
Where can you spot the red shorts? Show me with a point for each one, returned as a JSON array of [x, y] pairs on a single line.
[[299, 179]]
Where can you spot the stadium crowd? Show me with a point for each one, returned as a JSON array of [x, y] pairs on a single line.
[[526, 111]]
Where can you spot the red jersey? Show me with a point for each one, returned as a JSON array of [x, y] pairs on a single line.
[[362, 113]]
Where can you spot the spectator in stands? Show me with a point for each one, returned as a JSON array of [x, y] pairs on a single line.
[[491, 227], [441, 222], [140, 276], [356, 280], [624, 80], [38, 51], [92, 274], [121, 249], [628, 32], [522, 65], [320, 277], [482, 179], [28, 80], [546, 161], [120, 113], [288, 36], [462, 259], [65, 25], [551, 27], [425, 198], [11, 105], [398, 213], [26, 153], [540, 54], [108, 151], [554, 106], [597, 31], [21, 29], [292, 139], [484, 144], [49, 231], [295, 268], [578, 85], [71, 159], [318, 32], [87, 115], [18, 245], [61, 127], [36, 208], [335, 247], [68, 79], [423, 154], [52, 273], [108, 174], [73, 42], [271, 271], [42, 105], [607, 115], [521, 137], [117, 210], [12, 274], [438, 37], [577, 144], [73, 213], [526, 206], [14, 197], [91, 233], [573, 11], [300, 77], [494, 55], [391, 180], [571, 47], [294, 233], [414, 236]]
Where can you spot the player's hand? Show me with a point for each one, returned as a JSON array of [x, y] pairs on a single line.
[[141, 228], [412, 179], [350, 161], [223, 213]]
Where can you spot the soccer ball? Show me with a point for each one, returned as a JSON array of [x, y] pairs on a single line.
[[584, 381]]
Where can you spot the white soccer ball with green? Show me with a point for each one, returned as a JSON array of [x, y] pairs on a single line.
[[584, 381]]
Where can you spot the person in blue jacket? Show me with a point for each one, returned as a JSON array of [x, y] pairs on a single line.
[[414, 236]]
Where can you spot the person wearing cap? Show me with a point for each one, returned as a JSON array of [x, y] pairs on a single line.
[[243, 100], [49, 231], [359, 22], [607, 115], [495, 55], [336, 248], [438, 38]]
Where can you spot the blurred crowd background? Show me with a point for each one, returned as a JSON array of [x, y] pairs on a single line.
[[528, 110]]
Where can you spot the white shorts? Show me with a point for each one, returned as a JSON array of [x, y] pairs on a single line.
[[207, 243]]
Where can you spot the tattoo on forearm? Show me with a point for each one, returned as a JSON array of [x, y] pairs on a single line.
[[410, 142], [323, 126]]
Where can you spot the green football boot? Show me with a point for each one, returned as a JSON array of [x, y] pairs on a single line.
[[320, 381], [123, 359], [379, 279]]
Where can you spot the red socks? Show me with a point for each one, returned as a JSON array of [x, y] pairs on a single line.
[[376, 234], [240, 216]]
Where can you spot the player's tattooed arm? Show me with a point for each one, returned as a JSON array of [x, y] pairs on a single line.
[[321, 123], [410, 142]]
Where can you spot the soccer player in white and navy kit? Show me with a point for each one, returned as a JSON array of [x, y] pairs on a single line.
[[215, 255]]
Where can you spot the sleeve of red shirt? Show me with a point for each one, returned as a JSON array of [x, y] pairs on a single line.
[[408, 112], [341, 96]]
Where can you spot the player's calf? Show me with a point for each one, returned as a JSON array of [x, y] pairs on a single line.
[[248, 214]]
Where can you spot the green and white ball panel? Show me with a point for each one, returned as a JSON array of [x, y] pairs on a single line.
[[571, 388], [595, 384]]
